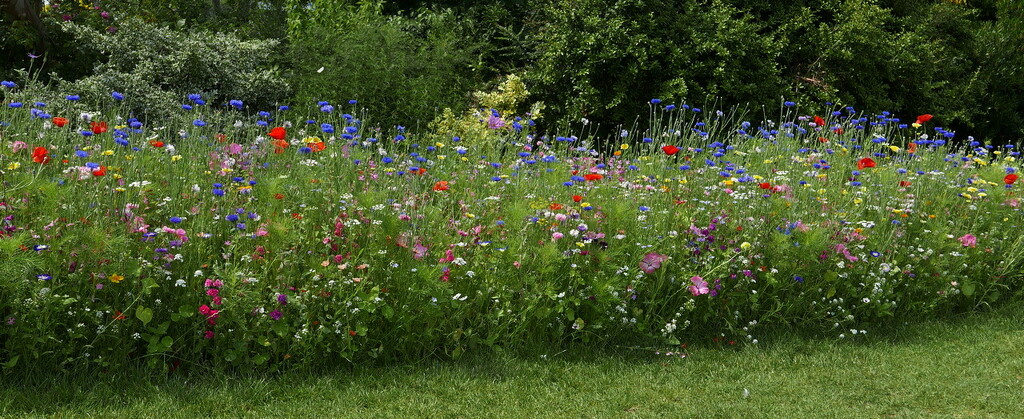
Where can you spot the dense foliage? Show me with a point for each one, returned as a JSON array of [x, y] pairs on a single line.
[[408, 60]]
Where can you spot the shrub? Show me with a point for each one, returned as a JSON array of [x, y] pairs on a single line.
[[156, 66], [402, 69]]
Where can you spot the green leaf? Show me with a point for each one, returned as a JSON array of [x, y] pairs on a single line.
[[831, 276], [145, 314], [968, 288]]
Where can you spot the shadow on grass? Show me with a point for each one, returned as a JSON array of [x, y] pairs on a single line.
[[197, 392]]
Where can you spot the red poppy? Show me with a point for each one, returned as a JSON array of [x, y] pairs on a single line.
[[818, 121], [221, 138], [670, 149], [421, 171], [156, 143], [924, 118], [102, 171], [119, 316], [838, 131], [278, 133], [317, 146], [904, 184], [765, 185], [865, 162], [577, 198], [60, 122], [593, 176], [278, 196], [555, 206], [441, 185], [98, 127], [39, 155], [911, 147], [1010, 178], [279, 146], [822, 140]]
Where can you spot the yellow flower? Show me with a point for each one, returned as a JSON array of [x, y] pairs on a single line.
[[176, 157], [108, 152], [894, 148], [745, 245], [624, 146], [13, 166], [115, 278]]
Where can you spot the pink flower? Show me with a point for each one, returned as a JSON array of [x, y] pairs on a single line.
[[968, 240], [234, 148], [419, 251], [699, 287], [651, 262], [204, 310], [448, 256], [841, 248], [208, 334], [18, 146], [556, 235]]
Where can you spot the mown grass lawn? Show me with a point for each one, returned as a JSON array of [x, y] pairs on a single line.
[[965, 366]]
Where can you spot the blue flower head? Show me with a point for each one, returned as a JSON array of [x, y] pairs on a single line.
[[117, 95]]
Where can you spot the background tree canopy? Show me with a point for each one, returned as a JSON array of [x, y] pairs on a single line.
[[407, 60]]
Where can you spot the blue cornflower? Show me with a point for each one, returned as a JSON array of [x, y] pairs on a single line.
[[327, 128], [117, 95], [72, 98], [235, 103]]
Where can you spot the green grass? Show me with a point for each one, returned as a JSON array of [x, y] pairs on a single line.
[[965, 366]]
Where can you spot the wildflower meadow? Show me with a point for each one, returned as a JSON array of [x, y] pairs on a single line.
[[312, 234]]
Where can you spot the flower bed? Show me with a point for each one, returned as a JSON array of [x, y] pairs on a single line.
[[297, 237]]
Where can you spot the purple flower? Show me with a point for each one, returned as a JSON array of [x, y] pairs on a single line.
[[282, 298], [276, 314]]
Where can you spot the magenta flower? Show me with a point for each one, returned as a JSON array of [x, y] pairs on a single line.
[[968, 240]]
